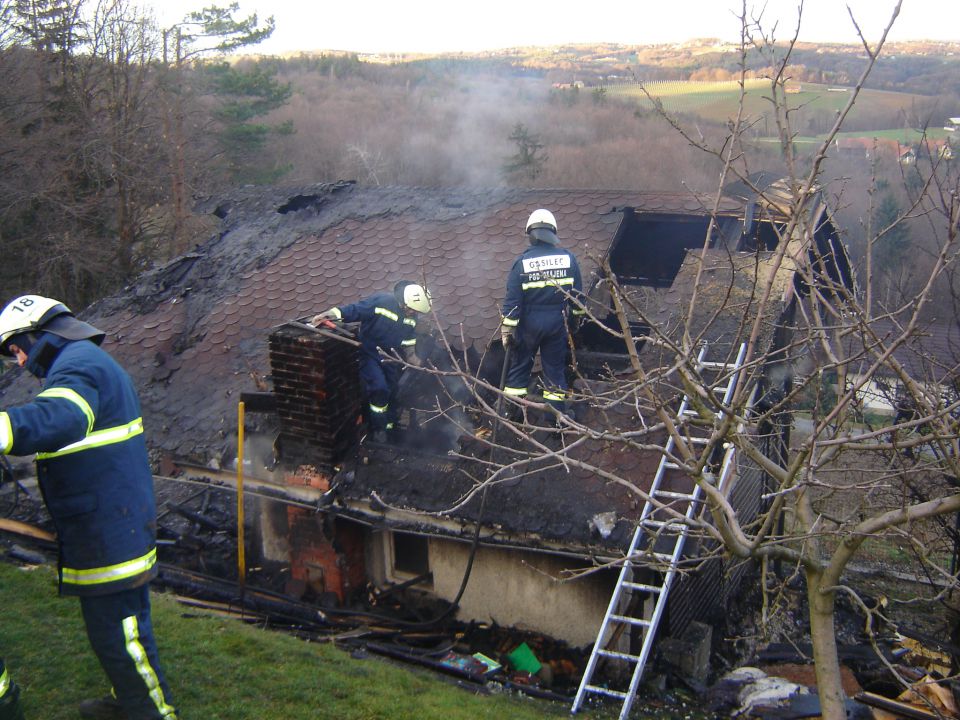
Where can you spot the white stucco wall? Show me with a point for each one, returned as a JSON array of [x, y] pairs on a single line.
[[874, 398], [272, 530], [517, 588], [509, 587], [878, 399]]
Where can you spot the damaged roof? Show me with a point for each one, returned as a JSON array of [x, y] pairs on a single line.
[[194, 333]]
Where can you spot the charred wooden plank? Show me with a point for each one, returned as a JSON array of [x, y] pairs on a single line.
[[31, 531], [895, 706]]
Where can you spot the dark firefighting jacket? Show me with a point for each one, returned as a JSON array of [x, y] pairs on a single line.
[[544, 278], [86, 430], [382, 324]]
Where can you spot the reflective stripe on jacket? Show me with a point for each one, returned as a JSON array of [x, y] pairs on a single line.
[[92, 465], [382, 324], [544, 277]]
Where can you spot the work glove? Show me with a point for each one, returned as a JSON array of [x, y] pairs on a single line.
[[507, 335], [575, 322], [331, 314]]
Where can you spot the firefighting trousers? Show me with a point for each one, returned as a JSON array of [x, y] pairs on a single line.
[[546, 332], [121, 633], [10, 707], [380, 381]]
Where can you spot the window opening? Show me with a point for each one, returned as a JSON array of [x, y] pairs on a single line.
[[411, 554]]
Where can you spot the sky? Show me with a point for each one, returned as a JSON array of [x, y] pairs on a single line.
[[429, 26]]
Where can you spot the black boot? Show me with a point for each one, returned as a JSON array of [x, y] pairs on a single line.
[[105, 708], [10, 706]]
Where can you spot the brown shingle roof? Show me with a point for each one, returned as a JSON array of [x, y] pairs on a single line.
[[194, 333]]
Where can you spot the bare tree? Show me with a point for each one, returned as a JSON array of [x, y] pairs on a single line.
[[123, 44], [211, 31], [789, 315]]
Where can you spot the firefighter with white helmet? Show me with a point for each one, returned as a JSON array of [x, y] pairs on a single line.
[[388, 323], [86, 430], [542, 289]]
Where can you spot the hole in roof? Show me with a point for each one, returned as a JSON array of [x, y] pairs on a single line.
[[300, 202], [646, 254]]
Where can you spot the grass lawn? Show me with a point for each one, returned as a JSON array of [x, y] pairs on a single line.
[[223, 669]]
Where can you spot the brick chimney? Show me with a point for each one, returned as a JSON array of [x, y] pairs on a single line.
[[316, 384]]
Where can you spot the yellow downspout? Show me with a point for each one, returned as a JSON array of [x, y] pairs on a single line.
[[241, 559]]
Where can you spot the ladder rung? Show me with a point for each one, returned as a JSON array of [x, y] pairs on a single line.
[[662, 557], [698, 441], [671, 465], [674, 495], [618, 655], [642, 587], [714, 365], [631, 620], [605, 691]]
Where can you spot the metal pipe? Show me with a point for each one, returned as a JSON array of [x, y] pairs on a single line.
[[326, 333]]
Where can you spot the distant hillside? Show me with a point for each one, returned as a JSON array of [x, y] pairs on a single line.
[[922, 68]]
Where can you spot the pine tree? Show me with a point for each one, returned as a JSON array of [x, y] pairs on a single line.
[[246, 95], [893, 242], [529, 160], [211, 31]]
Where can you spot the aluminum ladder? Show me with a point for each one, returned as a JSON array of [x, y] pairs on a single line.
[[673, 531]]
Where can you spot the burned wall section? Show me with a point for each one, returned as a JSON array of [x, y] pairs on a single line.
[[327, 557], [317, 387]]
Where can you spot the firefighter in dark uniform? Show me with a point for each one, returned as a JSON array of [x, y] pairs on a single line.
[[541, 288], [10, 706], [86, 429], [388, 323]]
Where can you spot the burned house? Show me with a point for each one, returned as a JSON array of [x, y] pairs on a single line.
[[220, 325]]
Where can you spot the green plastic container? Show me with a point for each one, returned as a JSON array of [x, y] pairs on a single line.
[[522, 658]]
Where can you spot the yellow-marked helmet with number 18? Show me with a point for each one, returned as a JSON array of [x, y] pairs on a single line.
[[33, 313]]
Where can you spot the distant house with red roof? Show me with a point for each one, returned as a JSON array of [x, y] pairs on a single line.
[[867, 147]]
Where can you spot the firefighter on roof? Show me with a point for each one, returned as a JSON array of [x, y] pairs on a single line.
[[92, 466], [388, 323], [541, 288]]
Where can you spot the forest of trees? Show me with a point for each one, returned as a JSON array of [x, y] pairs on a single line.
[[113, 126], [110, 125]]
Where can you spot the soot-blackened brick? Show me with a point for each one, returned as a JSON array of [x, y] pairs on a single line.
[[317, 388]]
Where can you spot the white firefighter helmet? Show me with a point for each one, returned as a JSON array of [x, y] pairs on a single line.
[[31, 313], [541, 219], [542, 227], [416, 297]]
